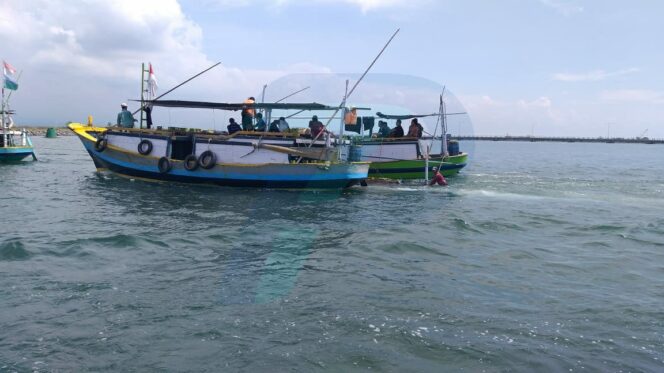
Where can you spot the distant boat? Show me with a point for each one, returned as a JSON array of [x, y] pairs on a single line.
[[243, 159], [15, 145]]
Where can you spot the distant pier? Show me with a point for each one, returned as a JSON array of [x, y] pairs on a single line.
[[638, 140]]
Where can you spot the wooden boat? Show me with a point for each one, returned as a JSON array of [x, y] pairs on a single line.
[[404, 158], [413, 158], [243, 159]]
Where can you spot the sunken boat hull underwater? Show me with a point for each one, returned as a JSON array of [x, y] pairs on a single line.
[[239, 160]]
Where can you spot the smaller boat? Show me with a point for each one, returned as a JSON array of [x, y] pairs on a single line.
[[15, 145], [412, 158]]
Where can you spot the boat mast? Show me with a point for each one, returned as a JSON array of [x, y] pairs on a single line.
[[140, 125], [443, 114], [4, 123]]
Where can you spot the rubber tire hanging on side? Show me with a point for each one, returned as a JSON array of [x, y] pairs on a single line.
[[207, 159], [101, 144], [191, 162], [145, 147], [164, 165]]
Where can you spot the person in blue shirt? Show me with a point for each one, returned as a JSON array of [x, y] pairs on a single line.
[[125, 118], [233, 126], [383, 129], [260, 123]]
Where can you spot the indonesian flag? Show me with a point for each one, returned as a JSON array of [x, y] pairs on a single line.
[[152, 83], [8, 72]]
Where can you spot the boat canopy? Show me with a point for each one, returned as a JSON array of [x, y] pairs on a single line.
[[238, 106], [411, 116], [404, 117]]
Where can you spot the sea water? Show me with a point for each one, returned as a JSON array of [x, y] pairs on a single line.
[[538, 257]]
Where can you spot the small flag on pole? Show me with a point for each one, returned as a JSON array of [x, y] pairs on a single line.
[[152, 83], [8, 74]]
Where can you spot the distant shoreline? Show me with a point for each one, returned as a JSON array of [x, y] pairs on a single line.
[[610, 140], [41, 131]]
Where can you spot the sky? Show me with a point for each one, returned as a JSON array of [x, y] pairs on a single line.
[[517, 67]]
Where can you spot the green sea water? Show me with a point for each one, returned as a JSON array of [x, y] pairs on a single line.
[[538, 257]]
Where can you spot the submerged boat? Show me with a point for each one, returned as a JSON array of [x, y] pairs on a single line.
[[241, 159]]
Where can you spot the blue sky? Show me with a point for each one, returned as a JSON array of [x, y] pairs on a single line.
[[548, 67]]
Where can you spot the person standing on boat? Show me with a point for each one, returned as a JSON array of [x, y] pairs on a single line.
[[397, 131], [260, 123], [283, 125], [316, 126], [383, 129], [248, 113], [233, 126], [125, 118], [438, 178]]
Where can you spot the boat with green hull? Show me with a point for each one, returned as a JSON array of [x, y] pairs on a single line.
[[414, 169], [412, 158]]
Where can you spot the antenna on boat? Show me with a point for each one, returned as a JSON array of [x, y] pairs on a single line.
[[343, 102], [180, 85]]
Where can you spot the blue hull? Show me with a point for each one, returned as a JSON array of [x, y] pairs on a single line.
[[14, 154], [314, 176]]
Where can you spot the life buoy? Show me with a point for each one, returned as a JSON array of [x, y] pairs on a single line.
[[207, 159], [191, 162], [145, 147], [164, 165], [101, 144]]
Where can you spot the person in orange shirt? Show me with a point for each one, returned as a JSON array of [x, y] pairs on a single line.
[[438, 178], [248, 113]]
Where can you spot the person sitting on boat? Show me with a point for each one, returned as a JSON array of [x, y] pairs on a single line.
[[316, 126], [415, 129], [260, 123], [125, 118], [438, 178], [233, 126], [283, 125], [397, 131], [383, 129], [248, 114], [274, 126]]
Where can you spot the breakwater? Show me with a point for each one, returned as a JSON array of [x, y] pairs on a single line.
[[638, 140], [41, 131]]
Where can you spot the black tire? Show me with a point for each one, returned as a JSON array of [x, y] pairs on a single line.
[[145, 147], [207, 159], [191, 162], [101, 144], [164, 165]]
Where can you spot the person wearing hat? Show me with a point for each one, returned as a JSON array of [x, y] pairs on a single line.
[[125, 118], [316, 126], [438, 178]]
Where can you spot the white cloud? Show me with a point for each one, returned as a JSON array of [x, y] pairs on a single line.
[[364, 5], [633, 95], [565, 8], [79, 60], [592, 76]]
